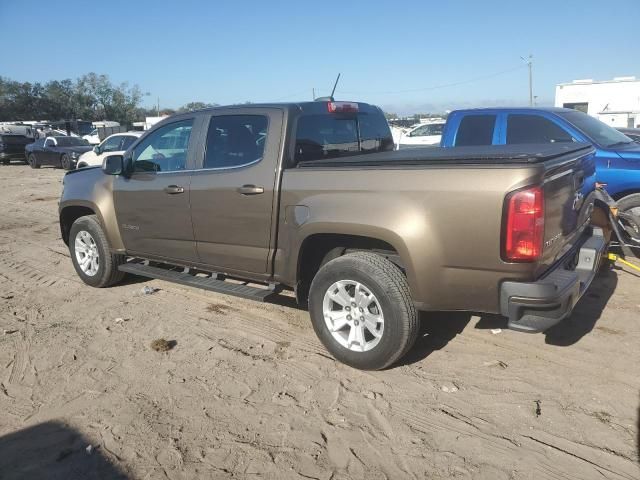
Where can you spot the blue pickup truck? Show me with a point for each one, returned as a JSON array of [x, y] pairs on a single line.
[[617, 156]]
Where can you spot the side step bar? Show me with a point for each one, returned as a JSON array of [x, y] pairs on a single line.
[[206, 283]]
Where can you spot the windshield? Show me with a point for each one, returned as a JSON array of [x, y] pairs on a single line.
[[71, 142], [597, 131]]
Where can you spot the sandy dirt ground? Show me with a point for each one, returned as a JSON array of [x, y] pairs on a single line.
[[248, 391]]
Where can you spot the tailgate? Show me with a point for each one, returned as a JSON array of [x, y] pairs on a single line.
[[569, 186]]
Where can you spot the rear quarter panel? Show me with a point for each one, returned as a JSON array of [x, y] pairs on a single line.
[[445, 223]]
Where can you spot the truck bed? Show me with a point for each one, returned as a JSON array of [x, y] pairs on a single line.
[[493, 154]]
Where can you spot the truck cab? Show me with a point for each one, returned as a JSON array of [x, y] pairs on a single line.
[[617, 156]]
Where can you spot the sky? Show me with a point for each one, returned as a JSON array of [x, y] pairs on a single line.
[[408, 57]]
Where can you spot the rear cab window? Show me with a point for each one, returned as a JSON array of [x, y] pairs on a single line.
[[325, 135], [475, 130]]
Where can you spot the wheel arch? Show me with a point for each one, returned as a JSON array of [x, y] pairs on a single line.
[[625, 193], [70, 213], [318, 248]]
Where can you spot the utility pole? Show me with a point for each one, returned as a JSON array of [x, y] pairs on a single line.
[[313, 93], [529, 63]]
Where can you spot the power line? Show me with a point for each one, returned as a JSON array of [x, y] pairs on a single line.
[[435, 87]]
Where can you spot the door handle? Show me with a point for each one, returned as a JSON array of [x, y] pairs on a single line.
[[250, 190], [173, 189]]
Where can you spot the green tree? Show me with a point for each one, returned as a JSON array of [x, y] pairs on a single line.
[[90, 97], [191, 106]]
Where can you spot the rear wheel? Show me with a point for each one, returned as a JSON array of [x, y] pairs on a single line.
[[91, 255], [630, 205], [33, 161], [65, 162], [362, 311]]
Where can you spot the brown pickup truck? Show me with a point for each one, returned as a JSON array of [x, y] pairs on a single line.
[[311, 197]]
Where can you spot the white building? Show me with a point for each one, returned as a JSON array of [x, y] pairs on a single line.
[[615, 102]]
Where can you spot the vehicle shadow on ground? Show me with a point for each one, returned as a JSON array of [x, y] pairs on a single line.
[[130, 279], [53, 450], [437, 329], [586, 313]]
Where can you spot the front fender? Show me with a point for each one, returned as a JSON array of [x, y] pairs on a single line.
[[91, 188]]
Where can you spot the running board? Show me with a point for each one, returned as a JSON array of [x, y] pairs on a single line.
[[207, 283]]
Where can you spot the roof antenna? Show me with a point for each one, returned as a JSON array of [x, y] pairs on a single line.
[[334, 87]]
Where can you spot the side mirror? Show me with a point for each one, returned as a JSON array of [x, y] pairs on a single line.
[[113, 165], [97, 150]]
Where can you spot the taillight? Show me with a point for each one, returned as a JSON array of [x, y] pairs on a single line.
[[338, 107], [524, 225]]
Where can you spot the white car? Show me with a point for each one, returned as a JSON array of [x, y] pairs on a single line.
[[92, 137], [425, 134], [115, 144]]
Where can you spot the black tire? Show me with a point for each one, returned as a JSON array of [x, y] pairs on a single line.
[[65, 162], [33, 161], [389, 285], [631, 204], [107, 273]]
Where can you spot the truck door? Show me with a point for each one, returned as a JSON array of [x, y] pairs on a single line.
[[152, 205], [232, 194]]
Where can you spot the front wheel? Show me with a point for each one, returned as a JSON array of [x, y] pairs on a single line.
[[65, 162], [91, 255], [33, 161], [362, 311]]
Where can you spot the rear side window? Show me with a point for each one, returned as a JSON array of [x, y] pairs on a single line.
[[475, 130], [330, 136], [534, 129], [235, 140]]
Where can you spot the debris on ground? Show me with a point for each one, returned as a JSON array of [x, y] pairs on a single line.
[[121, 320], [496, 363], [496, 331], [218, 308], [9, 332], [89, 449], [147, 290], [538, 408], [449, 389], [162, 345]]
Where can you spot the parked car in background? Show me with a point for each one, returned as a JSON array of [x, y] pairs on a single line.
[[95, 137], [617, 155], [57, 151], [310, 197], [114, 145], [425, 134], [632, 133], [12, 147]]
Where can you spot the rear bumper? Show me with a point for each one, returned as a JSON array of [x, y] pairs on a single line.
[[537, 306]]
